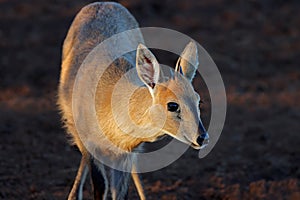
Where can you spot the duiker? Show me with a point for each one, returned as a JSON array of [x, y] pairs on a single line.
[[176, 99]]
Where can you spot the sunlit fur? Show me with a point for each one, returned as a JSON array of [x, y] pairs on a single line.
[[147, 105]]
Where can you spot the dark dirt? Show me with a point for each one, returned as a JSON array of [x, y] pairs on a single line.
[[256, 46]]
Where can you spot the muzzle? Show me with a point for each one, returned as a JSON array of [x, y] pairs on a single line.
[[203, 138]]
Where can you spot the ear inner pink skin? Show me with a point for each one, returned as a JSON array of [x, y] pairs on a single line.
[[148, 61]]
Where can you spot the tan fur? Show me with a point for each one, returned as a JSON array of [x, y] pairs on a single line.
[[149, 117]]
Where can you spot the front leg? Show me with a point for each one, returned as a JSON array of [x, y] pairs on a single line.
[[137, 182], [99, 180], [76, 192], [119, 184]]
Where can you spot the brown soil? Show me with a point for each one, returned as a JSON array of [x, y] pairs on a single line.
[[256, 46]]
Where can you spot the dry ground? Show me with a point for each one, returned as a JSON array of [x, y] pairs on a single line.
[[256, 46]]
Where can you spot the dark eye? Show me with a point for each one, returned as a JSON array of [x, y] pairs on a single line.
[[173, 107]]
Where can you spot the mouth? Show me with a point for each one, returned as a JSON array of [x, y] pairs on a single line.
[[196, 145], [201, 143]]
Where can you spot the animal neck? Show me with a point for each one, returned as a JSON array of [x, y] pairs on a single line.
[[134, 121], [124, 116]]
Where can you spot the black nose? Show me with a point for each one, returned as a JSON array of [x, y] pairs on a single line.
[[203, 139]]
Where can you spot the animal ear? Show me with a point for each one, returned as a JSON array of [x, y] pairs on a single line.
[[187, 63], [147, 66]]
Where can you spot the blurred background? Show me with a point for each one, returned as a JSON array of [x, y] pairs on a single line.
[[256, 46]]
